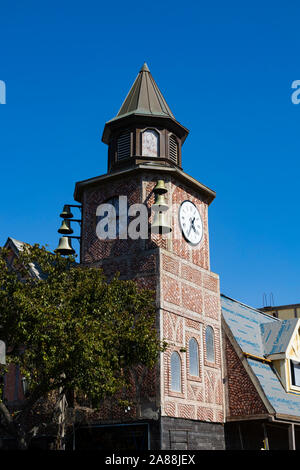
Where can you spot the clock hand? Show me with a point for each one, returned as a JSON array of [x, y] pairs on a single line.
[[192, 224]]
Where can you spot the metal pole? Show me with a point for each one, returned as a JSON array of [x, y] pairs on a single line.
[[266, 440], [241, 438], [292, 441], [2, 352]]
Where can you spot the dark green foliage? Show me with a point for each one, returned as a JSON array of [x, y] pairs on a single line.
[[72, 330]]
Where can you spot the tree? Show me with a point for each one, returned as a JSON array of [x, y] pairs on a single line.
[[70, 331]]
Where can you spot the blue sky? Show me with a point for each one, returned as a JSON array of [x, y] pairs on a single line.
[[225, 69]]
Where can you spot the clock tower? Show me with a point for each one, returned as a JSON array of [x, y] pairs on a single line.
[[181, 401]]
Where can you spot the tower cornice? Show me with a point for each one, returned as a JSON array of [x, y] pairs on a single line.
[[180, 175]]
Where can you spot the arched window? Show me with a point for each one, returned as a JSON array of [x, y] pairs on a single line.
[[193, 357], [150, 143], [175, 372], [210, 344]]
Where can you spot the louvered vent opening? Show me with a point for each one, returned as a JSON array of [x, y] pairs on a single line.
[[173, 150], [123, 146]]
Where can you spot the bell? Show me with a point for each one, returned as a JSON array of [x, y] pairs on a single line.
[[160, 204], [159, 224], [66, 213], [160, 187], [64, 247], [65, 227]]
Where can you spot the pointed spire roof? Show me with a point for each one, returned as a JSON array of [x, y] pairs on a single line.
[[145, 97], [146, 101]]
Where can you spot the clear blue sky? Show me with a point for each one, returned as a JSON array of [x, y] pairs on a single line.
[[225, 69]]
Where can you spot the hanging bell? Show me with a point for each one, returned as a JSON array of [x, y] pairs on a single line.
[[66, 213], [64, 247], [160, 187], [160, 204], [65, 227], [159, 224]]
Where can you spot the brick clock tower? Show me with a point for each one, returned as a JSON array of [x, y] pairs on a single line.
[[181, 402]]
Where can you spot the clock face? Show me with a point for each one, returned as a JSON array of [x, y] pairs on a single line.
[[190, 222], [150, 143]]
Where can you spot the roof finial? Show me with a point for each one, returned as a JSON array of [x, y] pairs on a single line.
[[145, 68]]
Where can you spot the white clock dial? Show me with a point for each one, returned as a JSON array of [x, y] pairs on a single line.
[[150, 143], [190, 222]]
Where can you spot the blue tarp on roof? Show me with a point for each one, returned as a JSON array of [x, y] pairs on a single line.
[[245, 324], [282, 402], [260, 334], [277, 335]]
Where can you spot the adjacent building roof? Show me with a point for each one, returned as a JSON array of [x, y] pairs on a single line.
[[258, 335], [17, 246], [277, 335]]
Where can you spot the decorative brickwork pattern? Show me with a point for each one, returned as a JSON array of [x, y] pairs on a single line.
[[171, 290], [92, 248], [191, 298], [185, 315], [187, 293], [244, 399], [170, 265], [191, 274]]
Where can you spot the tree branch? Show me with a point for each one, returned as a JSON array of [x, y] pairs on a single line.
[[9, 422]]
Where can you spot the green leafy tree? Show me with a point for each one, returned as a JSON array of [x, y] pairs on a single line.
[[70, 332]]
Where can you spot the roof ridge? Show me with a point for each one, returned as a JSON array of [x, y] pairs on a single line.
[[252, 308]]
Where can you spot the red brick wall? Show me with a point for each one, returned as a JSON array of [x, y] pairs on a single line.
[[93, 249], [243, 398], [187, 293], [199, 257], [185, 314]]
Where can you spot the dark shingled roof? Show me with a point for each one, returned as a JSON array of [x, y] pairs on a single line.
[[144, 97], [144, 103]]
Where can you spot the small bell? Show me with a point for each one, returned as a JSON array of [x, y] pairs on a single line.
[[65, 227], [160, 187], [66, 213], [160, 204], [64, 247], [159, 224]]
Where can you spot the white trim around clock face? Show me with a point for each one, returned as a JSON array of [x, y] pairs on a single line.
[[189, 225]]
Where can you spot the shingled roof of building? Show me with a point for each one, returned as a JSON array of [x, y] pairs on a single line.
[[17, 246], [257, 335]]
